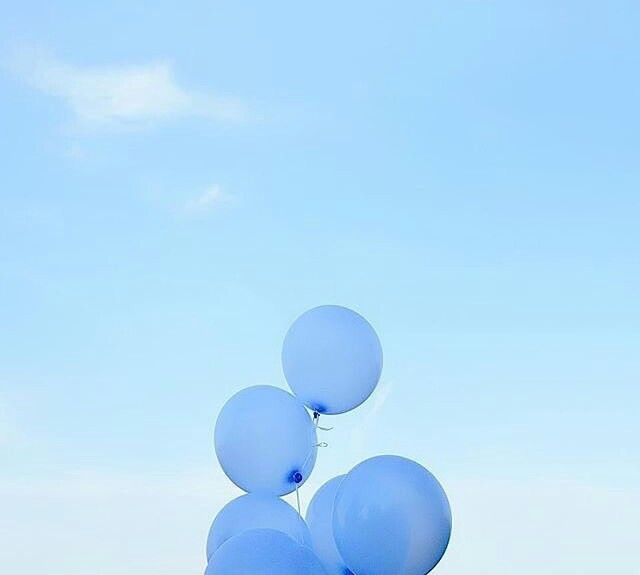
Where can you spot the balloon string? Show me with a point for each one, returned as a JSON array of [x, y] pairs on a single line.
[[302, 541], [308, 457], [316, 421], [316, 417]]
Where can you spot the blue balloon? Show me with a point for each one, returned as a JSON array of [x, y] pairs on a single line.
[[332, 359], [320, 523], [391, 516], [255, 511], [265, 440], [263, 552]]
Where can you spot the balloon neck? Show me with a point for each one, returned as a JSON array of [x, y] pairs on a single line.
[[296, 477]]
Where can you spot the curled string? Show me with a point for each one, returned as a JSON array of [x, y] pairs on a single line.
[[306, 459], [316, 418], [316, 421]]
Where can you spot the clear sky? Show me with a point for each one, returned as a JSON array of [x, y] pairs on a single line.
[[180, 180]]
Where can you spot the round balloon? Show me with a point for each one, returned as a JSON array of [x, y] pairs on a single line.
[[320, 523], [265, 440], [332, 359], [263, 552], [254, 511], [391, 516]]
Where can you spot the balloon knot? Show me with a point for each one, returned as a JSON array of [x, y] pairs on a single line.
[[296, 476]]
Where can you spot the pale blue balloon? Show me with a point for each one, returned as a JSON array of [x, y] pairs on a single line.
[[320, 523], [265, 440], [263, 552], [332, 359], [391, 516], [256, 511]]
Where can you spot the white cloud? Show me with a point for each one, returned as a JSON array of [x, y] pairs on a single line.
[[122, 95], [212, 197]]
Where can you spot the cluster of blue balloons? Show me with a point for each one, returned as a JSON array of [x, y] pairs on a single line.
[[387, 516]]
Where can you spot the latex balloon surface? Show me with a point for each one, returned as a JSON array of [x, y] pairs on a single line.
[[255, 511], [320, 523], [391, 517], [332, 359], [265, 440], [263, 552]]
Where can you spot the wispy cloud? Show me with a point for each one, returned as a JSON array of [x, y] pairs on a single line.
[[121, 95], [211, 198], [378, 400]]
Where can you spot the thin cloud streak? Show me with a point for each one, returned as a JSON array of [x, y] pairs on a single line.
[[125, 96], [211, 198], [378, 401]]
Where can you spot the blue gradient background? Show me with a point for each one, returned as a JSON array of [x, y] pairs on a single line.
[[463, 174]]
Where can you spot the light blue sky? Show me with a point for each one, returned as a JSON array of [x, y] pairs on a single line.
[[179, 183]]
